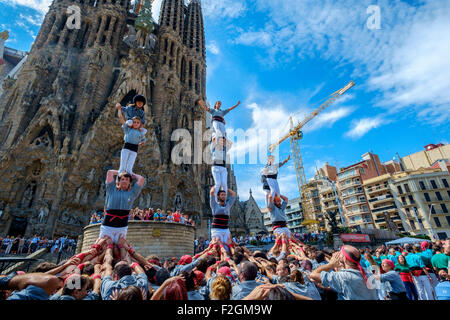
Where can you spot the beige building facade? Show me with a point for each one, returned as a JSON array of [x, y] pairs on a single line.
[[424, 198]]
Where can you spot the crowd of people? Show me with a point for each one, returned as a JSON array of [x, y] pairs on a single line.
[[11, 245], [223, 269], [149, 214], [290, 270]]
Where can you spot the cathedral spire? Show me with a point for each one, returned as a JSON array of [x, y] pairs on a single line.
[[194, 33], [172, 15]]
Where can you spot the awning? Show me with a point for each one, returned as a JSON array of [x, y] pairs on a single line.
[[309, 221]]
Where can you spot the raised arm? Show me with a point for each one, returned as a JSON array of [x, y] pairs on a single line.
[[334, 261], [287, 159], [140, 179], [119, 113], [231, 108], [233, 194], [107, 265], [110, 175]]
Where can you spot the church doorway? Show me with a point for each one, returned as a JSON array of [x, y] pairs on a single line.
[[18, 227]]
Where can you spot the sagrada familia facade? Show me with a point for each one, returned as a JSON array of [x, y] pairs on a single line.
[[59, 131]]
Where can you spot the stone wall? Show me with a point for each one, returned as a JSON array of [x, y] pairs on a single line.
[[164, 239]]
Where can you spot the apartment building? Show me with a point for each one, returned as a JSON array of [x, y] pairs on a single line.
[[294, 215], [386, 213], [424, 198], [433, 153], [353, 196], [317, 220], [329, 198]]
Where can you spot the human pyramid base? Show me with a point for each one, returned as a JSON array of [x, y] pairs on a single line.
[[112, 270]]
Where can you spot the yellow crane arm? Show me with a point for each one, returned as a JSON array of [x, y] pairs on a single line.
[[323, 106]]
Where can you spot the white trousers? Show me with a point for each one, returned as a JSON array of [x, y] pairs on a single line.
[[274, 187], [219, 129], [127, 159], [113, 233], [220, 175], [282, 230], [130, 122], [424, 288], [221, 234]]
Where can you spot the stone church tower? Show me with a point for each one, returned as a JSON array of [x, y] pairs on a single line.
[[59, 131]]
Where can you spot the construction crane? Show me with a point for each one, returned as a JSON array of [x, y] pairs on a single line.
[[295, 135]]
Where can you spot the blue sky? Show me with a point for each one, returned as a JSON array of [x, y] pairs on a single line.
[[281, 57]]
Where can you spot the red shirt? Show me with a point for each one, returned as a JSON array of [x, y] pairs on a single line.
[[176, 216]]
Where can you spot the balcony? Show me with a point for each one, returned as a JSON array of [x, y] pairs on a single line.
[[348, 185], [377, 189], [347, 175], [380, 219], [357, 212], [354, 203], [354, 193], [384, 209], [387, 197]]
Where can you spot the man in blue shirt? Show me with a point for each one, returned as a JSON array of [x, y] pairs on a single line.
[[349, 282], [443, 288], [247, 275], [119, 201]]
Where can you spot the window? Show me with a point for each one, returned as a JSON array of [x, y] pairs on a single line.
[[399, 188], [431, 208], [448, 193], [411, 199], [444, 208], [437, 222], [427, 197], [413, 224], [408, 213], [442, 235], [404, 201], [438, 195], [406, 187], [448, 220], [444, 181], [433, 184], [422, 185]]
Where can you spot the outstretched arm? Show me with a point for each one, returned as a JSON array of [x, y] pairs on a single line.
[[203, 105], [287, 159], [119, 113], [229, 109]]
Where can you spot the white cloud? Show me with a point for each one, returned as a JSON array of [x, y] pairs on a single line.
[[38, 5], [406, 60], [327, 119], [258, 38], [213, 47], [34, 20], [362, 126], [223, 8], [268, 123]]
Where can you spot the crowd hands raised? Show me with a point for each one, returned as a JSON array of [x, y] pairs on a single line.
[[290, 270], [149, 214]]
